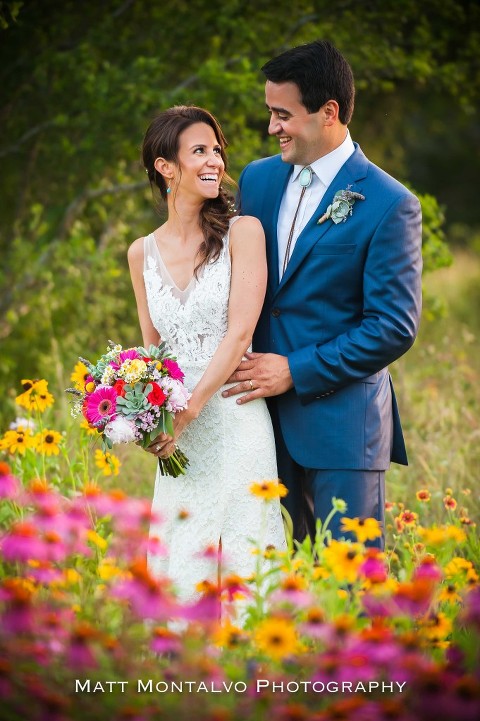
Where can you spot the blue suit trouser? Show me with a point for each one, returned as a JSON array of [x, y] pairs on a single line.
[[310, 493]]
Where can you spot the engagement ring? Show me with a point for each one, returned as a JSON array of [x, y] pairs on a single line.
[[251, 384]]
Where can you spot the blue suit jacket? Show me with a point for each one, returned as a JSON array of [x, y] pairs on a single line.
[[348, 304]]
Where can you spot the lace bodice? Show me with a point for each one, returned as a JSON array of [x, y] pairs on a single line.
[[191, 321]]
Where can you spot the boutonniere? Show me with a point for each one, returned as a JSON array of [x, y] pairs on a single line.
[[341, 207]]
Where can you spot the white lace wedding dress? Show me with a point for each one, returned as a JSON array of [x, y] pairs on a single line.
[[229, 446]]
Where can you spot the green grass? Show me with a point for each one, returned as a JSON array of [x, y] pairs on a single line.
[[439, 396]]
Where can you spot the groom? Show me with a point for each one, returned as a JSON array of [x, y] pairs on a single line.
[[343, 298]]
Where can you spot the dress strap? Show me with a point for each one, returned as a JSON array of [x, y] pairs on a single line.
[[149, 249]]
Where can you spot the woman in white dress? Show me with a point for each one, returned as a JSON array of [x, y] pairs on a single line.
[[199, 282]]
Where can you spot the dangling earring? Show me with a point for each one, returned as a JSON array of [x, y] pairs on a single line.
[[169, 190], [169, 187]]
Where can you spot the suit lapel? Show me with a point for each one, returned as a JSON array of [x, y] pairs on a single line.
[[272, 200], [350, 174]]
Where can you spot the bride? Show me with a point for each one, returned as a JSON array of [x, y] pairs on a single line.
[[199, 282]]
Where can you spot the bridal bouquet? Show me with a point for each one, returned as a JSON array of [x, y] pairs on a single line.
[[132, 395]]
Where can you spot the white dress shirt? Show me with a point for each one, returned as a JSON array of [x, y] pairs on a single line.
[[324, 170]]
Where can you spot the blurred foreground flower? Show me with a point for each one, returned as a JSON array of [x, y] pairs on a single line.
[[268, 490], [108, 463]]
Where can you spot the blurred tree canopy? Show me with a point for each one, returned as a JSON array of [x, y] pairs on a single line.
[[81, 80]]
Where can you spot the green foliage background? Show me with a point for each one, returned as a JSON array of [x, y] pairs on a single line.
[[80, 81]]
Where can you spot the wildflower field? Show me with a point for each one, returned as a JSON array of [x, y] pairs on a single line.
[[332, 631]]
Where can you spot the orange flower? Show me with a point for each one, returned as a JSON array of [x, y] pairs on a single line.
[[449, 502], [268, 490], [408, 518], [423, 495]]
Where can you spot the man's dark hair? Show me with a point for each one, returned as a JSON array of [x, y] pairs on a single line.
[[321, 73]]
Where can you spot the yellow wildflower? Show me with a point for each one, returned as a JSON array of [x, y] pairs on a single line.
[[107, 462], [17, 441], [91, 430], [438, 535], [277, 637], [229, 636], [423, 495], [448, 594], [79, 376], [457, 566], [47, 442], [108, 569], [268, 490], [320, 573], [344, 560], [97, 539], [365, 529], [436, 627], [36, 396]]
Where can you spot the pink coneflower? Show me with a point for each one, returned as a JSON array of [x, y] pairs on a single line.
[[44, 572], [9, 486], [17, 616], [207, 608], [147, 595], [165, 641], [80, 652], [173, 369], [44, 497], [100, 407], [22, 543], [233, 585], [429, 569], [374, 567], [293, 590]]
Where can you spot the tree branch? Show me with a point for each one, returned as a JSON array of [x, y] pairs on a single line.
[[26, 136], [78, 203]]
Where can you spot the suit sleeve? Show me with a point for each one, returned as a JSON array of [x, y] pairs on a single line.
[[391, 310]]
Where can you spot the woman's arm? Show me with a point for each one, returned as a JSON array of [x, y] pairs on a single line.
[[247, 293], [135, 261]]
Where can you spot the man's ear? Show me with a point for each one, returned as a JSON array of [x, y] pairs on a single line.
[[164, 167], [330, 112]]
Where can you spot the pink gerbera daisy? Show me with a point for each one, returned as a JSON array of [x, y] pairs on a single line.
[[101, 405], [173, 369]]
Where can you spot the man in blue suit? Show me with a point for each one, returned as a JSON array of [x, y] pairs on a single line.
[[343, 298]]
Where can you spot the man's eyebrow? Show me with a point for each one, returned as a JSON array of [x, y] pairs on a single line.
[[284, 111]]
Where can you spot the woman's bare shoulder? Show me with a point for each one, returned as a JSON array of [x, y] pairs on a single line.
[[247, 225], [135, 251]]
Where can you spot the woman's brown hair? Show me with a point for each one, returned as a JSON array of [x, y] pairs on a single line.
[[162, 140]]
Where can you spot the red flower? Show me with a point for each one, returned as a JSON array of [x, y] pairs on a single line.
[[156, 396], [118, 386]]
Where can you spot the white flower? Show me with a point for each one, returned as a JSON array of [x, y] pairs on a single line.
[[108, 376], [120, 430], [23, 423], [177, 394]]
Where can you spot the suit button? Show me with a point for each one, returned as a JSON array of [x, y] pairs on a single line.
[[276, 312]]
